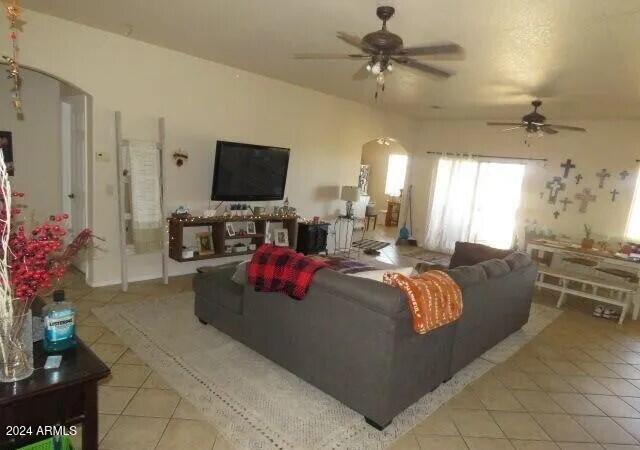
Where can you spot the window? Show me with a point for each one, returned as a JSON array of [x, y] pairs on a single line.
[[632, 232], [396, 173], [474, 201]]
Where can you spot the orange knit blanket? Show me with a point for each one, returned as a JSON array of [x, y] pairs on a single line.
[[433, 298]]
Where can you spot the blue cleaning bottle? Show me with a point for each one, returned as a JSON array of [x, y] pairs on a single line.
[[59, 324]]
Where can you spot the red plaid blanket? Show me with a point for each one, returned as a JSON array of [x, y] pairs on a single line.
[[280, 269]]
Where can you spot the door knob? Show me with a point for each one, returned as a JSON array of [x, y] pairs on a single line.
[[71, 196]]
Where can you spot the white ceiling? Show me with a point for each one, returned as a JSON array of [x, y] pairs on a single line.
[[581, 56]]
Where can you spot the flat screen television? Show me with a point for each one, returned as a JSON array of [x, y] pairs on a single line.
[[249, 172]]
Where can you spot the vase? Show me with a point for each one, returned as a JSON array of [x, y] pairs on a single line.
[[16, 347]]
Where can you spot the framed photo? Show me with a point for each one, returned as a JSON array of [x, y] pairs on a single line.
[[204, 243], [281, 238], [6, 144], [251, 228], [230, 230]]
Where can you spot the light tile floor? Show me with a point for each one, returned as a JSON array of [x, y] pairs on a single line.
[[575, 386]]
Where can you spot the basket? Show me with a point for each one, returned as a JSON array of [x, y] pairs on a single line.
[[47, 444]]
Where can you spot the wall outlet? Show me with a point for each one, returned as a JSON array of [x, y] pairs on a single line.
[[103, 156]]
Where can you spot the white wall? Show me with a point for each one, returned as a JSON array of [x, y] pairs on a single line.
[[376, 155], [610, 144], [202, 101], [36, 143]]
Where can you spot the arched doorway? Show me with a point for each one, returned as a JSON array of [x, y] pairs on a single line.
[[385, 160], [50, 151]]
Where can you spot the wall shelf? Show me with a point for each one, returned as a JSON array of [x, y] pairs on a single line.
[[217, 225]]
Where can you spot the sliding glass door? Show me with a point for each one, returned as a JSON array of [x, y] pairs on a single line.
[[474, 201]]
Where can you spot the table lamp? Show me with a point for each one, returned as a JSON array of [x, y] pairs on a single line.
[[350, 194]]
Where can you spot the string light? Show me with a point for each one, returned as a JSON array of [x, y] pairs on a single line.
[[14, 13]]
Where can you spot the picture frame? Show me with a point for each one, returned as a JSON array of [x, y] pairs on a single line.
[[281, 237], [6, 144], [251, 228], [230, 230], [204, 243]]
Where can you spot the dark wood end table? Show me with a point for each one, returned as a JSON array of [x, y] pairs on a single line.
[[64, 396]]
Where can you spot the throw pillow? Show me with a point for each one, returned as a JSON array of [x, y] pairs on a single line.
[[240, 275], [517, 260], [468, 254], [466, 275], [495, 268]]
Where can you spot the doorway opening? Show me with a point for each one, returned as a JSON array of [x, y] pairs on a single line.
[[50, 153], [385, 162]]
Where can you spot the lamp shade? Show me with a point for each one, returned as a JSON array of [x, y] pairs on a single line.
[[350, 193]]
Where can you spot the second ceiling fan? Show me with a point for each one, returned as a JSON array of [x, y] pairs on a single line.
[[535, 123], [381, 49]]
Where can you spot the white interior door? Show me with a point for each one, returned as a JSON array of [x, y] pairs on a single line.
[[74, 167]]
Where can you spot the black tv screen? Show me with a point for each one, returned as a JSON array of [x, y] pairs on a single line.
[[249, 172]]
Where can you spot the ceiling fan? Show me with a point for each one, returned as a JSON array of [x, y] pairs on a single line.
[[380, 49], [534, 123]]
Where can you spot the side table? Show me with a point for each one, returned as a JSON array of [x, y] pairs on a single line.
[[65, 396]]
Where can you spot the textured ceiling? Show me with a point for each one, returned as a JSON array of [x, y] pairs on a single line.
[[581, 57]]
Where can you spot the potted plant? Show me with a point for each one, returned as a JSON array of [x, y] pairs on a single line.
[[587, 241]]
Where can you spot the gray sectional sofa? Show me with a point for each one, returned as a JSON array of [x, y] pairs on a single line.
[[353, 339]]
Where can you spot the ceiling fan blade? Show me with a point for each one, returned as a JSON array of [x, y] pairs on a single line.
[[547, 129], [355, 41], [504, 124], [565, 127], [513, 128], [361, 74], [425, 68], [329, 56], [443, 51]]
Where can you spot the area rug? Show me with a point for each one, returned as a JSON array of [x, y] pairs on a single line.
[[253, 402], [430, 257]]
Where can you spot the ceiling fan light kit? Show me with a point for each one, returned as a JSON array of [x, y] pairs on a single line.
[[383, 48]]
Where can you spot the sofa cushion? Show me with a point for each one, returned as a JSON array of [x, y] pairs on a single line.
[[495, 268], [468, 254], [466, 275], [517, 260]]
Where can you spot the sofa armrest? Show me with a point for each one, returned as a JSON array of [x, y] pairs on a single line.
[[210, 280]]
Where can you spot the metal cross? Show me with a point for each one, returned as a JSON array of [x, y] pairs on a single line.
[[566, 202], [624, 174], [578, 178], [556, 214], [603, 174], [567, 167], [585, 197], [614, 194], [555, 185]]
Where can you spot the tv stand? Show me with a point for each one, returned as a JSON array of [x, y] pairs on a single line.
[[219, 235]]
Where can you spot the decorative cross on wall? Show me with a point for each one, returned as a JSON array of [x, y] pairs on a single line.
[[578, 178], [603, 174], [566, 202], [567, 167], [556, 214], [614, 194], [585, 197], [555, 185], [624, 174]]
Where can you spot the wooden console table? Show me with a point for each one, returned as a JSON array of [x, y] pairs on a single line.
[[219, 235], [64, 396], [393, 214]]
